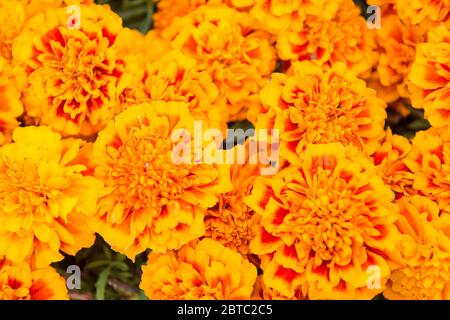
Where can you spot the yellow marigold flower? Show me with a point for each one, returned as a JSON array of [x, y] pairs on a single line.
[[430, 77], [12, 15], [72, 79], [33, 7], [19, 282], [279, 15], [423, 252], [45, 199], [323, 224], [429, 160], [206, 270], [176, 77], [324, 41], [223, 42], [231, 222], [263, 292], [10, 104], [418, 11], [150, 200], [316, 106], [389, 160], [396, 42]]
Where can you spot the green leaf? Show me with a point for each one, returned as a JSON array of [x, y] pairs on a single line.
[[101, 283]]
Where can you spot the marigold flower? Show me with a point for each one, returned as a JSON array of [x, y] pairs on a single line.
[[150, 200], [44, 198], [278, 16], [430, 77], [323, 224], [389, 160], [396, 42], [429, 160], [10, 104], [223, 42], [420, 11], [19, 282], [12, 14], [324, 41], [176, 77], [72, 79], [207, 270], [424, 252], [315, 106], [231, 222]]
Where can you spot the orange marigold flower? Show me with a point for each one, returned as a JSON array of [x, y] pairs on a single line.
[[316, 106], [419, 11], [10, 104], [19, 282], [231, 221], [323, 224], [72, 79], [277, 16], [150, 200], [44, 198], [324, 41], [389, 160], [206, 270], [263, 292], [224, 43], [396, 42], [12, 15], [176, 77], [429, 160], [423, 252], [430, 77]]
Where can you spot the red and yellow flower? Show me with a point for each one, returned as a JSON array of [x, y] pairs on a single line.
[[223, 42], [176, 77], [430, 77], [429, 160], [151, 200], [19, 282], [10, 105], [45, 200], [316, 106], [423, 253], [396, 42], [206, 270], [72, 79], [389, 160], [327, 41], [323, 224]]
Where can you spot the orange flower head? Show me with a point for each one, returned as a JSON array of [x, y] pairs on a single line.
[[343, 38], [429, 160], [324, 225], [19, 282], [151, 200], [12, 15], [389, 160], [277, 16], [316, 106], [45, 200], [10, 104], [231, 222], [206, 270], [72, 79], [225, 44], [396, 42], [423, 252], [176, 77], [423, 11], [430, 77]]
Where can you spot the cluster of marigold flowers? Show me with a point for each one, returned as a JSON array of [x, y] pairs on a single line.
[[87, 113]]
